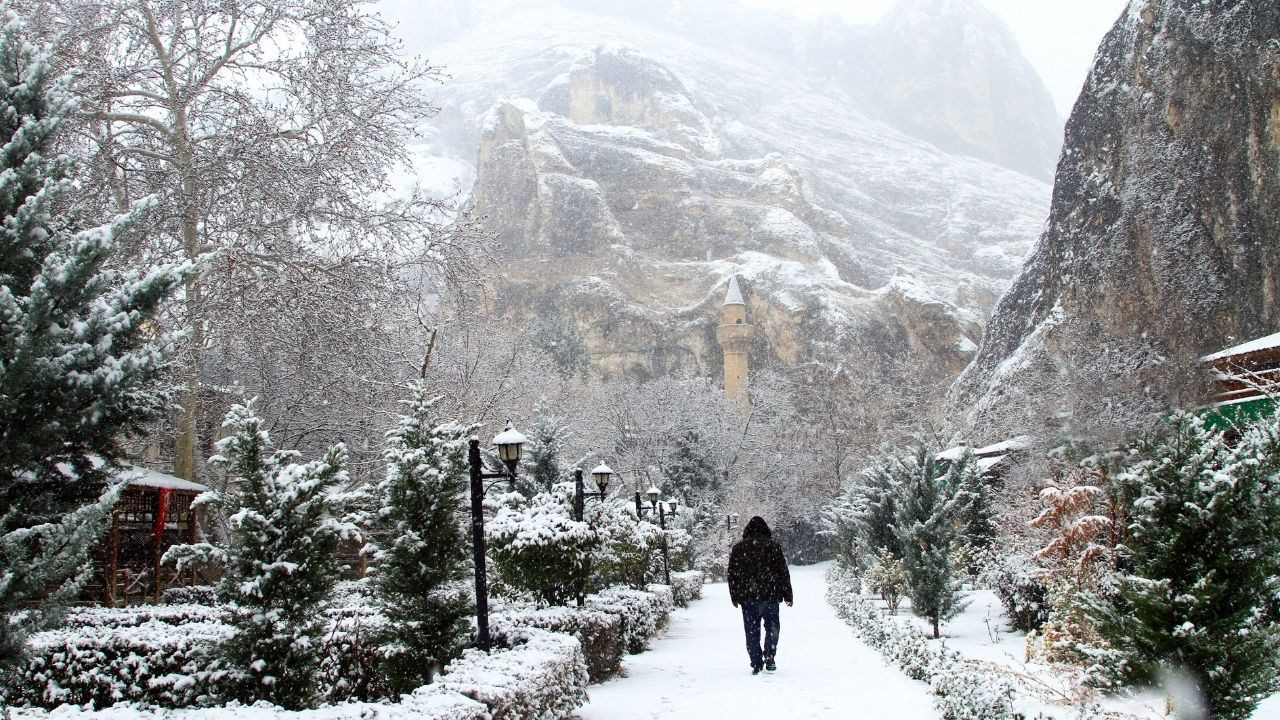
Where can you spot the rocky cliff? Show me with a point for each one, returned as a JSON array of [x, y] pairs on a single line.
[[631, 157], [1162, 240]]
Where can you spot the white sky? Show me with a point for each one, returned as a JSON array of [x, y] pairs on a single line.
[[1059, 37]]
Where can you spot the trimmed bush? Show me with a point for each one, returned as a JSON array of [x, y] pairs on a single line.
[[643, 612], [415, 706], [135, 615], [686, 587], [599, 632], [189, 595], [1023, 594], [542, 677], [152, 661], [961, 692]]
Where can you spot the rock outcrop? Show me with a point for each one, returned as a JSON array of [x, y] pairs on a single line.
[[1163, 241], [631, 160]]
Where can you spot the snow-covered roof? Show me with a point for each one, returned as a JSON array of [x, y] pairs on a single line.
[[734, 296], [986, 463], [1022, 442], [1263, 343], [143, 477], [989, 455], [1238, 401]]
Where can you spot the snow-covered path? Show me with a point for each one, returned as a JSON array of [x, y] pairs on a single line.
[[698, 668]]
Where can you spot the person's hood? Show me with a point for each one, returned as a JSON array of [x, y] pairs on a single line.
[[757, 527]]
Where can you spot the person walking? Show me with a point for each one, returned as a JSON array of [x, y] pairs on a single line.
[[758, 581]]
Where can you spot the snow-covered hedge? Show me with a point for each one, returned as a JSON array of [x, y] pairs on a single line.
[[686, 586], [135, 615], [599, 632], [135, 657], [643, 612], [419, 705], [189, 594], [961, 691], [542, 677]]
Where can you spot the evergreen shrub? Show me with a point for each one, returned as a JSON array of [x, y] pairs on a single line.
[[643, 612], [599, 632], [686, 586]]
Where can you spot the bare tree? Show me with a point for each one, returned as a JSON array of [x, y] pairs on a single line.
[[274, 134]]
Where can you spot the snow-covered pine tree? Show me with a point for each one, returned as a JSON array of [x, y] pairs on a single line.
[[929, 505], [840, 528], [1200, 564], [543, 460], [78, 366], [861, 521], [281, 561], [874, 505], [421, 547], [978, 520]]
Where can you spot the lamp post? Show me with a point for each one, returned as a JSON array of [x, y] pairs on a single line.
[[662, 508], [602, 473], [509, 443]]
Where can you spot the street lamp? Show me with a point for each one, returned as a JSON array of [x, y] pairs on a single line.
[[510, 443], [602, 474], [662, 508], [730, 521]]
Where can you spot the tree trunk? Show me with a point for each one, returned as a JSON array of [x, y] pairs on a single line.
[[936, 634], [188, 440]]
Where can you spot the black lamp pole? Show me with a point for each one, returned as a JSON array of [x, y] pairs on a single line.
[[580, 496], [660, 508], [666, 562], [478, 476]]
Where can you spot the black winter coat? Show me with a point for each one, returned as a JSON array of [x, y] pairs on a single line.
[[757, 567]]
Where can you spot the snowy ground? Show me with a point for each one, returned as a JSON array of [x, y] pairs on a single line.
[[698, 668]]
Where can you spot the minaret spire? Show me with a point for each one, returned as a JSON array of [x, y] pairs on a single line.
[[734, 335]]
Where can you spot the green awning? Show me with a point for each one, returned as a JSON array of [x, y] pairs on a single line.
[[1238, 414]]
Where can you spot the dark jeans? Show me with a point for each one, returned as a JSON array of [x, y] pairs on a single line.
[[753, 612]]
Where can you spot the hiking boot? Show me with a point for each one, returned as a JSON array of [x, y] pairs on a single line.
[[755, 669], [770, 665]]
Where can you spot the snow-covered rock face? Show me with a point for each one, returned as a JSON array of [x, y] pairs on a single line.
[[634, 156], [1166, 209]]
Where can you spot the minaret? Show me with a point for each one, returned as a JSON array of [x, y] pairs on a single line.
[[734, 334]]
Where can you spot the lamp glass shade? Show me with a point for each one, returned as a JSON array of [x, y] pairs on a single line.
[[671, 507], [510, 442], [602, 474], [654, 493]]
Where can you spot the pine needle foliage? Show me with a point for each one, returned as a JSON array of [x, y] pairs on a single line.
[[421, 547], [282, 560], [543, 464], [930, 508], [1199, 566], [78, 365]]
